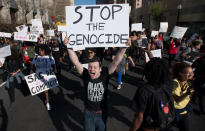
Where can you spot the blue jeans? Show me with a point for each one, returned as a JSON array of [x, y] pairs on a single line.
[[94, 122], [119, 78]]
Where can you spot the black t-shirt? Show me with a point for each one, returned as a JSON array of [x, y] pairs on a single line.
[[143, 102], [96, 90]]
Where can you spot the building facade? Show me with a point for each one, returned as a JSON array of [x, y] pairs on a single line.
[[187, 13], [17, 12]]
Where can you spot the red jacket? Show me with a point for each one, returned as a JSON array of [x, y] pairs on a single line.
[[173, 48]]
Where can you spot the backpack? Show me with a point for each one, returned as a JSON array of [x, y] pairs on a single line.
[[161, 112]]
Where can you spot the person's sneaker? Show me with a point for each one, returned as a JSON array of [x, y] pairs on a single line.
[[48, 106], [119, 87]]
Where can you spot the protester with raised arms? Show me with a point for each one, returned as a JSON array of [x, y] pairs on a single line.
[[96, 80]]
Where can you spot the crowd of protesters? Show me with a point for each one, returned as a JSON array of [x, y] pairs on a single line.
[[185, 82]]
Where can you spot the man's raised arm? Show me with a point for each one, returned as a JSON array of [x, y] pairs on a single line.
[[118, 58], [73, 57]]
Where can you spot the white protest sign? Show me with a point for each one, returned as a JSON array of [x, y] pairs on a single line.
[[98, 25], [5, 51], [37, 22], [178, 32], [36, 30], [2, 61], [78, 48], [62, 28], [163, 27], [136, 27], [22, 28], [154, 33], [155, 53], [85, 66], [50, 33], [38, 83], [25, 37], [2, 34]]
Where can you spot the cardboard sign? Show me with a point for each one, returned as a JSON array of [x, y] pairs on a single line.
[[5, 51], [50, 33], [36, 30], [7, 35], [22, 28], [154, 33], [98, 25], [36, 22], [136, 27], [163, 27], [62, 28], [25, 37], [38, 83], [178, 32], [85, 66], [2, 61], [155, 53]]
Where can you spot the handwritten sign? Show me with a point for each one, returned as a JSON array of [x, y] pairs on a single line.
[[154, 33], [178, 32], [25, 37], [98, 25], [62, 28], [40, 82], [136, 27], [5, 51], [50, 33], [36, 22], [155, 53], [163, 27], [7, 35], [22, 28]]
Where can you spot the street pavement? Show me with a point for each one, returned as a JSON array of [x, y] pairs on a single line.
[[29, 113]]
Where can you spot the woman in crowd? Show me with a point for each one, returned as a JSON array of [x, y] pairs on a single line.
[[14, 65], [43, 63], [182, 90], [173, 47]]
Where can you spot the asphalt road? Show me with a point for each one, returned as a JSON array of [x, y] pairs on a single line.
[[29, 113]]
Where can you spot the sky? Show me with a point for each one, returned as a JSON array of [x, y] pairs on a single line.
[[85, 2]]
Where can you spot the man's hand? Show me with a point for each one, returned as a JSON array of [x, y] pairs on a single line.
[[1, 64]]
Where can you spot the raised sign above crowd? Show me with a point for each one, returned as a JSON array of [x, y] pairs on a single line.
[[98, 25]]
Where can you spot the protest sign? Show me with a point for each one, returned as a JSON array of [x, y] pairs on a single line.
[[163, 27], [154, 33], [39, 82], [2, 61], [155, 53], [178, 32], [85, 66], [98, 25], [22, 28], [25, 37], [5, 51], [37, 22], [62, 28], [2, 34], [136, 27], [50, 33], [36, 30]]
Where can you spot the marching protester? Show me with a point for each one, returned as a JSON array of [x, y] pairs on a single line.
[[96, 80], [57, 54], [182, 91], [44, 63], [173, 47], [153, 102], [199, 83], [14, 65]]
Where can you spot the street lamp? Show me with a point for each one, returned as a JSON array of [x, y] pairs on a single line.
[[179, 7]]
